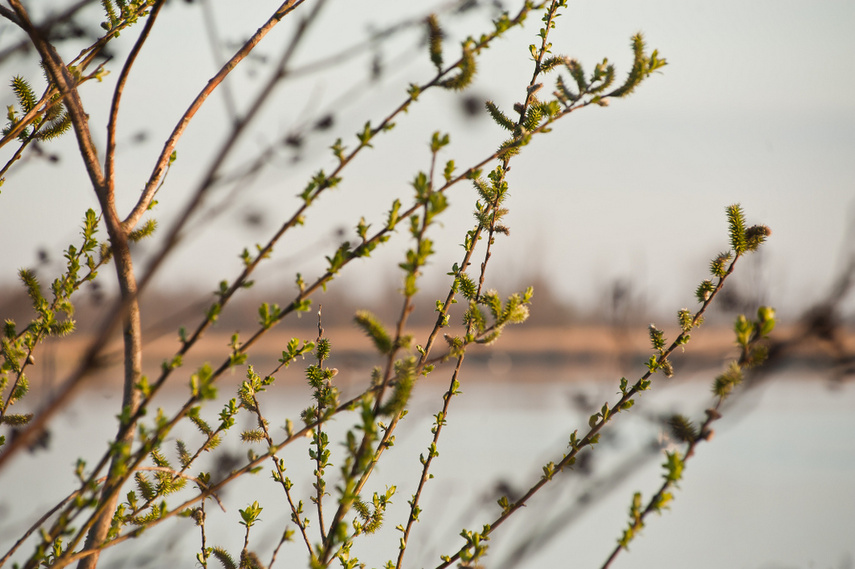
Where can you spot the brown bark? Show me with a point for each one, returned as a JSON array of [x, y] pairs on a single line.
[[104, 189]]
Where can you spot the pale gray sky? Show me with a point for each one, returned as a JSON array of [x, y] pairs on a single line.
[[755, 106]]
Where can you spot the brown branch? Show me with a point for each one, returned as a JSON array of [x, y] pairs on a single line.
[[110, 158], [67, 86], [212, 488], [24, 45], [90, 359], [163, 161]]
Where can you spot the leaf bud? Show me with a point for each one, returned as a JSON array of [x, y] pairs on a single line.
[[667, 368], [532, 90], [755, 235]]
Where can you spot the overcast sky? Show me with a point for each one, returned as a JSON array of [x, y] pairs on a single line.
[[756, 106]]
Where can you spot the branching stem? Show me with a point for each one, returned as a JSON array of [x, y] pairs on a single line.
[[585, 441]]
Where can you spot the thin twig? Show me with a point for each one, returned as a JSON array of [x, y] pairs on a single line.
[[163, 160], [110, 154], [595, 429]]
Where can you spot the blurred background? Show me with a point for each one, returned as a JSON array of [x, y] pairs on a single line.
[[754, 107], [614, 217]]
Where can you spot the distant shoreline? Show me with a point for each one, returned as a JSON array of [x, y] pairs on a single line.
[[521, 353]]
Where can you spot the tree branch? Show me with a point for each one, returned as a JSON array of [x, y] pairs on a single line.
[[66, 84], [213, 83]]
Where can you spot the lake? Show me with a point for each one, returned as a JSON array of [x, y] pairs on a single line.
[[775, 488]]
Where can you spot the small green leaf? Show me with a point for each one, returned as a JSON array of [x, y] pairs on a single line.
[[250, 514]]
